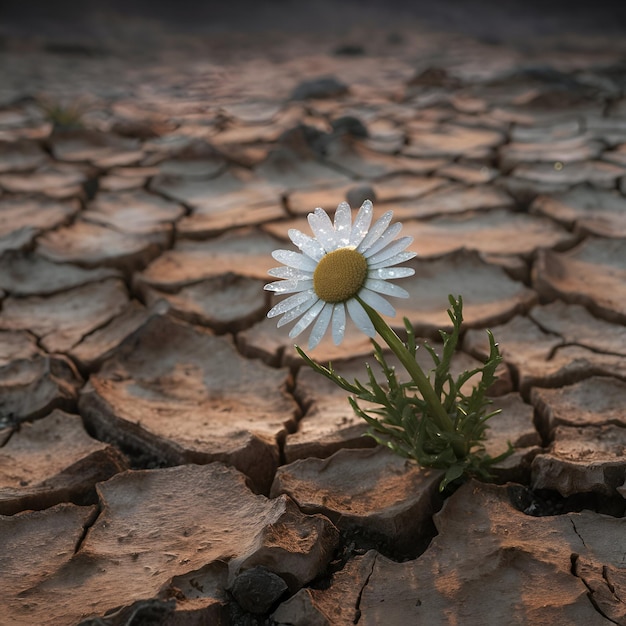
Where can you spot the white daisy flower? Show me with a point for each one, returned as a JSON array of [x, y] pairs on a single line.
[[341, 264]]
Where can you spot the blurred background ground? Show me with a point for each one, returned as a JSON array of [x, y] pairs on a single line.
[[93, 26]]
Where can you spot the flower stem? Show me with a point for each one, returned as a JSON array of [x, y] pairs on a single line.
[[438, 413]]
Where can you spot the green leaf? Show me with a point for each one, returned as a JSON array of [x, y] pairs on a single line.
[[452, 473], [410, 337], [399, 417], [328, 372]]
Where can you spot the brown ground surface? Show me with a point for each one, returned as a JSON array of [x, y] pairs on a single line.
[[164, 458]]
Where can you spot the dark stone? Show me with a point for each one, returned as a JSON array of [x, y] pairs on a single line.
[[90, 187], [257, 589], [349, 125], [324, 87], [306, 141], [349, 50], [434, 77], [357, 195]]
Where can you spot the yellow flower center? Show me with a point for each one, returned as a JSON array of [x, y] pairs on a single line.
[[339, 275]]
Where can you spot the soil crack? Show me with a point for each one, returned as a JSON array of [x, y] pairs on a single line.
[[577, 533], [91, 520], [6, 435], [590, 590], [357, 604]]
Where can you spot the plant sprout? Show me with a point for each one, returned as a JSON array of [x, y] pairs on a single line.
[[430, 418]]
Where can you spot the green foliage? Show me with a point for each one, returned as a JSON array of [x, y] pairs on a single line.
[[404, 421], [62, 116]]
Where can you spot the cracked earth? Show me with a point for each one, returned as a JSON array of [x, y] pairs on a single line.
[[164, 456]]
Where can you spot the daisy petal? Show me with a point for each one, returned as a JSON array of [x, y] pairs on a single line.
[[306, 319], [343, 224], [375, 232], [293, 285], [389, 289], [360, 318], [323, 229], [361, 223], [387, 273], [377, 302], [289, 272], [297, 311], [392, 249], [379, 250], [320, 326], [384, 239], [394, 260], [289, 303], [339, 322], [295, 259], [307, 244]]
